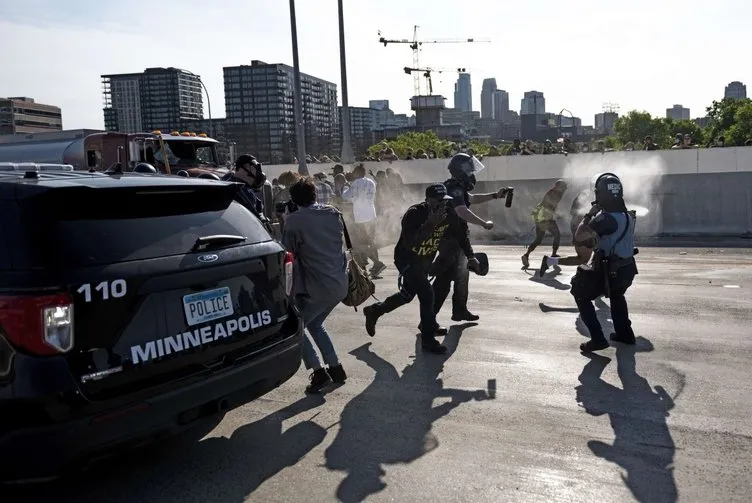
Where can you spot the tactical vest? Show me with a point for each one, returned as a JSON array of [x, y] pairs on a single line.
[[620, 243]]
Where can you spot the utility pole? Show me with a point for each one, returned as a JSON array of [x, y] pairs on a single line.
[[347, 152], [208, 102], [298, 100]]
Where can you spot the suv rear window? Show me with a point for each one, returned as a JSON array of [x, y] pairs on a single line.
[[110, 227]]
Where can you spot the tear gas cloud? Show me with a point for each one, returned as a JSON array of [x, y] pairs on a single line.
[[640, 174]]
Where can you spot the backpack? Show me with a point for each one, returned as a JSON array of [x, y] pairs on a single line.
[[360, 286]]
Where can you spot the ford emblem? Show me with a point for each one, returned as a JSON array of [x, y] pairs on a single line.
[[212, 257]]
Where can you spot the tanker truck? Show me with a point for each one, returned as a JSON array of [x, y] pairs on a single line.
[[182, 153]]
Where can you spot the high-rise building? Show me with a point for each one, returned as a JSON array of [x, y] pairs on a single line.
[[735, 90], [463, 93], [677, 112], [158, 98], [378, 104], [259, 101], [604, 122], [21, 115], [533, 103], [487, 98], [501, 105]]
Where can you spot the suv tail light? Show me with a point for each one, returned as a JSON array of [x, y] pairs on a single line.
[[40, 324], [289, 259]]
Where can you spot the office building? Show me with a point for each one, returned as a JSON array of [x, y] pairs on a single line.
[[533, 103], [158, 98], [487, 98], [259, 97], [604, 122], [677, 112], [501, 106], [463, 93], [21, 115], [735, 90]]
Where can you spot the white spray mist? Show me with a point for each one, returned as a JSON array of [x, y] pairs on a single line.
[[641, 174]]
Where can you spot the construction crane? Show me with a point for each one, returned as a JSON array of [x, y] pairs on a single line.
[[427, 74], [415, 46]]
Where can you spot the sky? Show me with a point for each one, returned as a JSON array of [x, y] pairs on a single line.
[[640, 54]]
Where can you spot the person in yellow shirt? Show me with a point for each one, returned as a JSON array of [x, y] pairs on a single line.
[[544, 218]]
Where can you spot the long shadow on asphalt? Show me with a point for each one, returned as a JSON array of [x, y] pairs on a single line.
[[215, 469], [549, 278], [390, 422], [643, 446], [602, 310]]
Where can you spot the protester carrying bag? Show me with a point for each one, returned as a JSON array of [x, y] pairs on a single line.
[[360, 286]]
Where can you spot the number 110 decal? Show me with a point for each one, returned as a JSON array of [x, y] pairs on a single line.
[[106, 289]]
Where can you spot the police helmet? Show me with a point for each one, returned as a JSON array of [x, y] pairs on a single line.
[[259, 176], [608, 190], [464, 167]]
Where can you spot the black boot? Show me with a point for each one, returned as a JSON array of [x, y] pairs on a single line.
[[319, 378], [439, 331], [337, 373], [372, 316], [466, 316]]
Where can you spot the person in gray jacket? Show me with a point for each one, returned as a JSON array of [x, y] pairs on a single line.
[[314, 234]]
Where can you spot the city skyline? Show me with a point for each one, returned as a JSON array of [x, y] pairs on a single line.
[[65, 50]]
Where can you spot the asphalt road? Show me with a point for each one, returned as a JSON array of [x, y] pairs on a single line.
[[512, 413]]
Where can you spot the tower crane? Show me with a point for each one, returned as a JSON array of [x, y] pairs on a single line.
[[415, 45], [427, 74]]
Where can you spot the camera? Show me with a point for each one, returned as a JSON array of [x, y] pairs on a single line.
[[285, 207]]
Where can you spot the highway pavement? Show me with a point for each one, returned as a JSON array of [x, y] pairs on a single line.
[[513, 412]]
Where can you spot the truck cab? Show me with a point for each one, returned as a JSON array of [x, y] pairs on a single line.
[[186, 153]]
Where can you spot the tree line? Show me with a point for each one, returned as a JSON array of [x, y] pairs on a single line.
[[730, 119]]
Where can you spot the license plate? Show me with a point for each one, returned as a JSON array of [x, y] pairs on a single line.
[[207, 306]]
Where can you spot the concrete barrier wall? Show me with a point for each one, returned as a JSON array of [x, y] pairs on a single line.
[[686, 192]]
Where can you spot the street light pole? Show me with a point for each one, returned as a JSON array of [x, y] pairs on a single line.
[[298, 98], [347, 152], [208, 102]]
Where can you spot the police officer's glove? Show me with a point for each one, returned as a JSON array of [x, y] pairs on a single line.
[[473, 264], [488, 225]]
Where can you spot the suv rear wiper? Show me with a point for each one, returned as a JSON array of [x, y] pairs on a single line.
[[205, 242]]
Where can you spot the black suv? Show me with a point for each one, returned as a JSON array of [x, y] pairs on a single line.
[[130, 306]]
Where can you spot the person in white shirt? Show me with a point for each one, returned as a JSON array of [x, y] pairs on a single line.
[[362, 193]]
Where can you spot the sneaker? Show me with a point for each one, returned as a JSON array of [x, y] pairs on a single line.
[[433, 346], [544, 266], [525, 262], [466, 316], [371, 318], [439, 331], [591, 345], [378, 269], [319, 378], [624, 339], [337, 373]]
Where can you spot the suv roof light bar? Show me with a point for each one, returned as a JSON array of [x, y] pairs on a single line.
[[32, 166]]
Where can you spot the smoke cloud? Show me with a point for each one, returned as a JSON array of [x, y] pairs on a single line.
[[641, 175]]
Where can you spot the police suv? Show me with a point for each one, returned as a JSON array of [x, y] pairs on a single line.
[[131, 305]]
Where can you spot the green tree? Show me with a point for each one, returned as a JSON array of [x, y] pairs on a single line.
[[411, 142], [636, 125], [683, 127], [732, 119]]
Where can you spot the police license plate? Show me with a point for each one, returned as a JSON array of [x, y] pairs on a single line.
[[207, 306]]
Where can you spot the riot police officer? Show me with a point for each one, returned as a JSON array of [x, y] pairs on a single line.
[[249, 172], [451, 264], [613, 268]]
